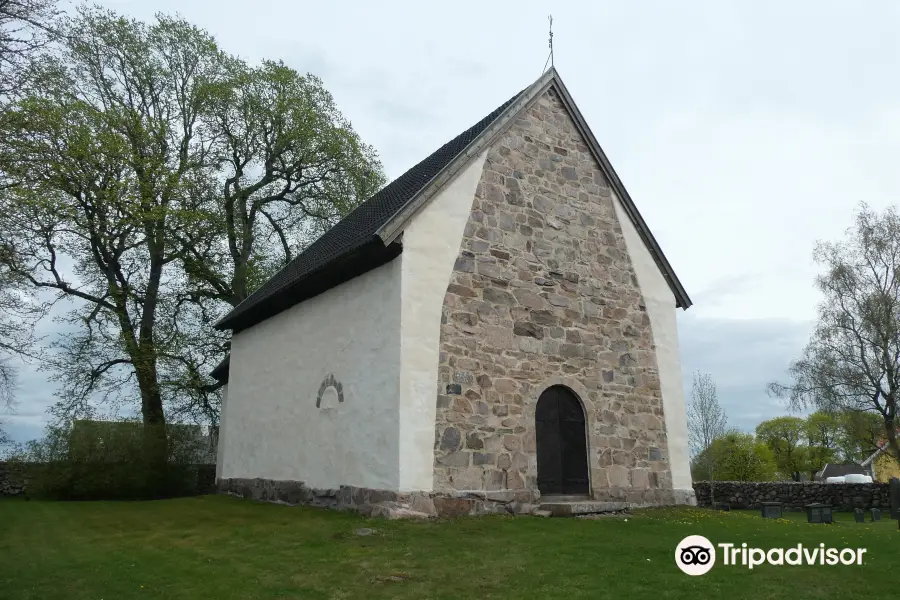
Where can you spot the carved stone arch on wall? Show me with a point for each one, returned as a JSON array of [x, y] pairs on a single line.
[[330, 386]]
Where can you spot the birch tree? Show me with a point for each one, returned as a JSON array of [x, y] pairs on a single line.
[[852, 361]]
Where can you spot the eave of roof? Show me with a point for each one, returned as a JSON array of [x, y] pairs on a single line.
[[220, 373], [371, 254]]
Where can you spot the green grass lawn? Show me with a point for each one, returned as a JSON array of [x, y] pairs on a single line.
[[222, 547]]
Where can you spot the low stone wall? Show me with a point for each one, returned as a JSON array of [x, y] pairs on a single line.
[[13, 479], [842, 496]]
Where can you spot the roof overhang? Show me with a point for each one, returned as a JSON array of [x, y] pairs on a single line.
[[221, 372], [369, 256]]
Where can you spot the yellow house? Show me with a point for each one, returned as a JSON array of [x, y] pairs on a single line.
[[885, 467]]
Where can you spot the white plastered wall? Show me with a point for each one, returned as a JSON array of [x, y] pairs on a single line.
[[271, 426], [431, 244], [661, 309]]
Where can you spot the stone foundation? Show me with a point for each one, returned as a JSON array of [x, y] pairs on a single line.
[[398, 505], [381, 503]]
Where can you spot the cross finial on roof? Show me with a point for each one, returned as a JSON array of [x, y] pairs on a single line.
[[549, 43]]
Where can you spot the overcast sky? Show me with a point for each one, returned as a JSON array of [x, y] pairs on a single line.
[[744, 131]]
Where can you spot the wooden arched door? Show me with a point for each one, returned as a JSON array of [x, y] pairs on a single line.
[[562, 467]]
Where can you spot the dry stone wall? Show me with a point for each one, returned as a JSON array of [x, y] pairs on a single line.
[[843, 496], [543, 292], [13, 479]]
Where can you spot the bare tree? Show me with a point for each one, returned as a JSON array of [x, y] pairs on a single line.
[[706, 420], [852, 361]]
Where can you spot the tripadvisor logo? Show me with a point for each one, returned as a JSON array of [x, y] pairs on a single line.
[[696, 555]]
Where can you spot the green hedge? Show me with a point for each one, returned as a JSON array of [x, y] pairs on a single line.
[[103, 460]]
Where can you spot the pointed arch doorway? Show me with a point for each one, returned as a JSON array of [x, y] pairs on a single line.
[[561, 442]]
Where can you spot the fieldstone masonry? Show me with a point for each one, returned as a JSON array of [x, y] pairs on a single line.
[[543, 292], [841, 496], [13, 479], [381, 503]]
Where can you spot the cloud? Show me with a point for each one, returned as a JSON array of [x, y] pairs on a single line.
[[743, 131], [742, 356]]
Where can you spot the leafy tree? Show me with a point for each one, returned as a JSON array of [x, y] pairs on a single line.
[[852, 362], [100, 170], [153, 182], [822, 432], [94, 460], [859, 434], [786, 438], [19, 311], [738, 457], [25, 27], [288, 166]]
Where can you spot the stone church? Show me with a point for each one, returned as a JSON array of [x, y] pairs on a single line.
[[492, 331]]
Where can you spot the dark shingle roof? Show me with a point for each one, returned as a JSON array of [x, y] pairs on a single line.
[[352, 246], [220, 373]]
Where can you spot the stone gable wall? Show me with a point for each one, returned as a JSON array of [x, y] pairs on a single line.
[[543, 292]]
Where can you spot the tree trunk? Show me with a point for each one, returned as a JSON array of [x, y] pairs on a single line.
[[890, 429], [239, 284], [155, 440]]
